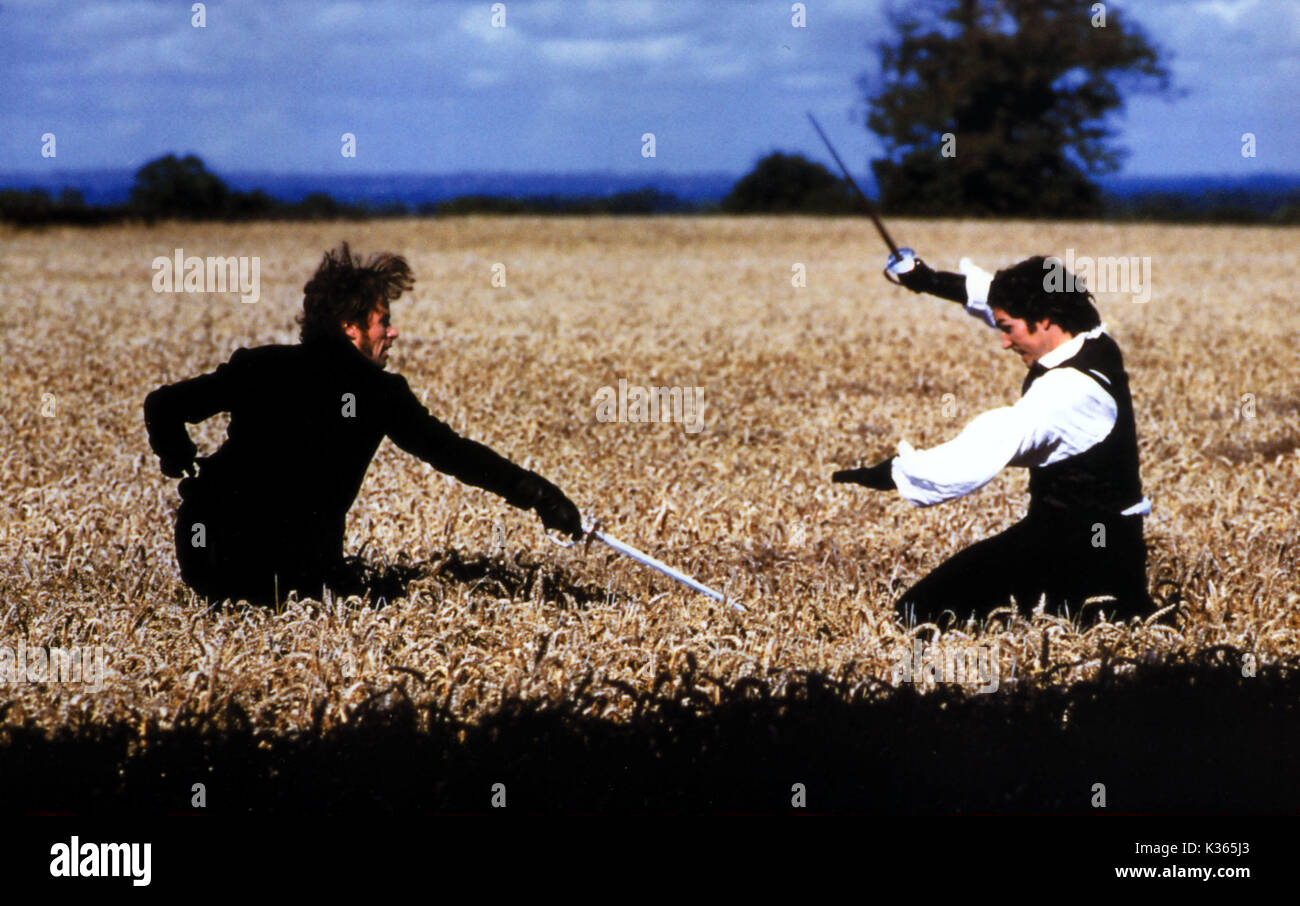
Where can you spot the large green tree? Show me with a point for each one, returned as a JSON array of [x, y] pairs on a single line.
[[789, 183], [179, 187], [1001, 107]]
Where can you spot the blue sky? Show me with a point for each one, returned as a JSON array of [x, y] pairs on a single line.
[[572, 86]]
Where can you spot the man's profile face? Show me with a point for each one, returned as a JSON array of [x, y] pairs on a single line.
[[1029, 341], [373, 340]]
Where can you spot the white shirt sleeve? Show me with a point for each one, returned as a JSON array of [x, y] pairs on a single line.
[[978, 282], [1063, 414]]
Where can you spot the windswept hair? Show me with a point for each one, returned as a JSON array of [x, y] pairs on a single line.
[[1029, 290], [346, 289]]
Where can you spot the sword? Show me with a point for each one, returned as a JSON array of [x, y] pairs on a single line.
[[628, 550], [862, 196]]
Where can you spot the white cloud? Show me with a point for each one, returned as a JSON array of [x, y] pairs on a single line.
[[339, 15], [118, 17], [625, 12], [725, 69], [151, 56], [598, 53], [1230, 11]]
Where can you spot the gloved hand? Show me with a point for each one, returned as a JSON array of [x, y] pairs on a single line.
[[560, 513], [878, 476], [557, 511], [901, 263], [177, 463], [919, 277]]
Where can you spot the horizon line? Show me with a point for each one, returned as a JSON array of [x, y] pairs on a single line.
[[629, 174]]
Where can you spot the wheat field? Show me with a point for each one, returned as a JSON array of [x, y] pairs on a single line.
[[796, 380]]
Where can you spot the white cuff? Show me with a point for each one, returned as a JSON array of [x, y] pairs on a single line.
[[978, 282], [1141, 508]]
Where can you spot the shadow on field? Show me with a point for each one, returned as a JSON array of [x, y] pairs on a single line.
[[1184, 737], [517, 578]]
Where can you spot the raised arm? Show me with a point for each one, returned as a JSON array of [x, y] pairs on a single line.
[[970, 288]]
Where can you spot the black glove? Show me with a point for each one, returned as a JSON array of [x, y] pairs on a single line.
[[924, 279], [878, 476], [557, 511], [560, 513], [177, 463], [919, 279]]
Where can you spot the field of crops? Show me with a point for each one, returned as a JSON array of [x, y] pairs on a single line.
[[796, 381]]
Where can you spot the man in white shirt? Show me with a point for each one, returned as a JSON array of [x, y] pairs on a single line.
[[1072, 427]]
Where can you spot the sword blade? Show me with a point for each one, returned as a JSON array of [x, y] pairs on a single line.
[[629, 551], [862, 196]]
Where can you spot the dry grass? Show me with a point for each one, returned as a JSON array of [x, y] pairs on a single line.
[[797, 382]]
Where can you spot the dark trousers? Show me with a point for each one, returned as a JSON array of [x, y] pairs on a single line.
[[222, 556], [1068, 557]]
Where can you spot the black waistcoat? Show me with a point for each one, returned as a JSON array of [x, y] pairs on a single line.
[[1104, 478]]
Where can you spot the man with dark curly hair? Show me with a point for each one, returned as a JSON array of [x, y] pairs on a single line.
[[1073, 428], [265, 513]]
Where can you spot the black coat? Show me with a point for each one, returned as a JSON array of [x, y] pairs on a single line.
[[305, 422]]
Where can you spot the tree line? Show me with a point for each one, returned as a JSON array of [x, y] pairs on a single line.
[[175, 188], [172, 188]]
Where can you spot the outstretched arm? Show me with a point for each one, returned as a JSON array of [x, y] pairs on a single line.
[[1062, 414], [964, 464], [421, 434]]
